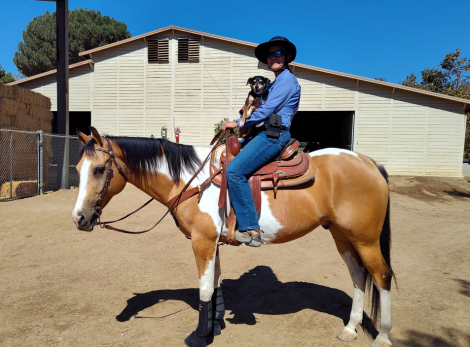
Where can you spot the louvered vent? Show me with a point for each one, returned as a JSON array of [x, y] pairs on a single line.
[[158, 51], [188, 50]]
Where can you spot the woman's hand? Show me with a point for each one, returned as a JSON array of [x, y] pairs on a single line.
[[229, 125]]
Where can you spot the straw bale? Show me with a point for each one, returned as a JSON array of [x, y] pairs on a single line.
[[8, 92], [19, 188], [24, 95]]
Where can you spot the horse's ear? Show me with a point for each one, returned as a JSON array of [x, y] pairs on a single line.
[[82, 137], [96, 135]]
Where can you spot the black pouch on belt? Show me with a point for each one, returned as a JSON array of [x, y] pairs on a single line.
[[273, 128]]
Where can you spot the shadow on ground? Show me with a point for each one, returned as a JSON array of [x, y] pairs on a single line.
[[465, 287], [449, 338], [258, 291]]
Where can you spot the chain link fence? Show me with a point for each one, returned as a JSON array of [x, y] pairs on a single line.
[[33, 162]]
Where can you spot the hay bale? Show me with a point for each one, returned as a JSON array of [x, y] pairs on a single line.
[[8, 92], [19, 189]]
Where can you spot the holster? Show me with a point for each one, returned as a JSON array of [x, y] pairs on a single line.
[[274, 126]]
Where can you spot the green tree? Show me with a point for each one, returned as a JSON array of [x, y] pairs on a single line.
[[5, 77], [87, 30], [218, 127], [451, 78]]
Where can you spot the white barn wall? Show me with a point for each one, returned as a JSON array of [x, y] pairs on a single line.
[[409, 133]]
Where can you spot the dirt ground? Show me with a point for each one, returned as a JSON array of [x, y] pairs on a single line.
[[64, 287]]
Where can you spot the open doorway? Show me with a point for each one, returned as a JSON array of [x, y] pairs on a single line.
[[323, 129], [77, 119]]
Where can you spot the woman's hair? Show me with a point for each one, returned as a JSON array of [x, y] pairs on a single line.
[[288, 68]]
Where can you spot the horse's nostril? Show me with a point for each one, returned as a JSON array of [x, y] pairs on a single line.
[[80, 220]]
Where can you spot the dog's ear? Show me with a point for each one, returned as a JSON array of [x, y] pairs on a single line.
[[268, 81], [249, 81]]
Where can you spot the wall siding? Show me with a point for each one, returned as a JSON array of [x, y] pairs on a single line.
[[409, 133]]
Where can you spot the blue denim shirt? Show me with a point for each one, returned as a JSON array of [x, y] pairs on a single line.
[[283, 99]]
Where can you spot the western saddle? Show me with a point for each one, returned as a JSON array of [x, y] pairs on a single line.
[[289, 169]]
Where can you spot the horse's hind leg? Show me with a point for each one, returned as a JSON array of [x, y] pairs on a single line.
[[358, 273], [381, 273]]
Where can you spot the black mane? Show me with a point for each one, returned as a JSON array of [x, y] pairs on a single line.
[[141, 154]]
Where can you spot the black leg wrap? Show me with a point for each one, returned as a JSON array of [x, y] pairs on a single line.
[[204, 326], [218, 304], [218, 310], [195, 341]]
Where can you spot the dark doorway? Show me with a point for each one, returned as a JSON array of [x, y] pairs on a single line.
[[323, 129], [77, 119]]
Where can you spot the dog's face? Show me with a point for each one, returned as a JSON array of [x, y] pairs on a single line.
[[258, 84]]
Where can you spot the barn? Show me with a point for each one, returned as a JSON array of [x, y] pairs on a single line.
[[180, 78]]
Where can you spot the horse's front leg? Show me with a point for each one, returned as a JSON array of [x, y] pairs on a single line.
[[205, 251], [218, 306]]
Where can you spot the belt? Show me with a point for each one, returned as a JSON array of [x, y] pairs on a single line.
[[264, 127]]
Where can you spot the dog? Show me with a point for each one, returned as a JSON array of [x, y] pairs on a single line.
[[259, 92]]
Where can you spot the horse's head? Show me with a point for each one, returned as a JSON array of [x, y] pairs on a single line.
[[100, 179]]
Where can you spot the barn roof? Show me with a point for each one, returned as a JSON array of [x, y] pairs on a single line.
[[173, 28], [71, 66]]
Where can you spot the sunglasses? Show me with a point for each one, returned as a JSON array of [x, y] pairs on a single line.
[[276, 54]]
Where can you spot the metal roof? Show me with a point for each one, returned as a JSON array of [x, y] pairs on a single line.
[[173, 28]]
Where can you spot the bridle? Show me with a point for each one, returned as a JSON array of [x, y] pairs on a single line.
[[172, 204], [112, 158]]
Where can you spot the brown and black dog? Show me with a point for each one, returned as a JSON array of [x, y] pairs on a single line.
[[259, 92]]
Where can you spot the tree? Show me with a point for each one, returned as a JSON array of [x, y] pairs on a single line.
[[218, 127], [5, 77], [452, 78], [87, 30]]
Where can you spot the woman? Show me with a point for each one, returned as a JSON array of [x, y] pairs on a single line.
[[260, 147]]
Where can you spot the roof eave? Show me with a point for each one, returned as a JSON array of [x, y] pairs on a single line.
[[27, 79]]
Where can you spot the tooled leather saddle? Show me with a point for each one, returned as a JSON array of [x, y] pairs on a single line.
[[290, 168]]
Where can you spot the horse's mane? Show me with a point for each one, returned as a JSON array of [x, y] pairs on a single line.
[[142, 154]]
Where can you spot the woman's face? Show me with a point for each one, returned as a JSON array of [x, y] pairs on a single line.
[[276, 63]]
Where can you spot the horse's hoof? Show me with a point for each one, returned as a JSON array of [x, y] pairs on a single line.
[[195, 341], [217, 329], [347, 335], [381, 342]]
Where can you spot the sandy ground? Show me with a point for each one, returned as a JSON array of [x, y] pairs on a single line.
[[64, 287]]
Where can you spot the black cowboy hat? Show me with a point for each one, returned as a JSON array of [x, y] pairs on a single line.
[[262, 50]]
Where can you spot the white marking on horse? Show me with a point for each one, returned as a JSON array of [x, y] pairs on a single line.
[[385, 315], [82, 192], [206, 282], [268, 223], [357, 311], [332, 151]]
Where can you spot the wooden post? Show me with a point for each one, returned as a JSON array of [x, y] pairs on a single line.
[[62, 66]]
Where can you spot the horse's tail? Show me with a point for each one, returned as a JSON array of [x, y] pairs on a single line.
[[385, 246]]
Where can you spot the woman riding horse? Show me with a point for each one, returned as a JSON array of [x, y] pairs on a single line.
[[260, 146]]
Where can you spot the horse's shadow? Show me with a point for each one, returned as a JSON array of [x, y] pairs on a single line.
[[258, 291]]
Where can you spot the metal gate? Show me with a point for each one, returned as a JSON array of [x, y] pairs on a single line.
[[32, 163]]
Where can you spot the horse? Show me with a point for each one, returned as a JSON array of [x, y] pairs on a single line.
[[349, 196]]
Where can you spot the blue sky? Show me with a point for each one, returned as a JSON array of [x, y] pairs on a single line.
[[369, 38]]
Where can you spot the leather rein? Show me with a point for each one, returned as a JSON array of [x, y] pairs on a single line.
[[172, 204]]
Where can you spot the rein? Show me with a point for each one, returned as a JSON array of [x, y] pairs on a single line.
[[173, 203]]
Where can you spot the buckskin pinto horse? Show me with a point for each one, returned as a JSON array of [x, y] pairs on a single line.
[[349, 196]]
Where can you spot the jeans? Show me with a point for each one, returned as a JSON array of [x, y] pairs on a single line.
[[257, 150]]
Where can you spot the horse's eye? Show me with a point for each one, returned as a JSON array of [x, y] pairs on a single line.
[[99, 170]]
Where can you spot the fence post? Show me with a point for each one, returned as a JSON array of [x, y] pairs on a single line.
[[11, 164], [65, 165], [41, 162]]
